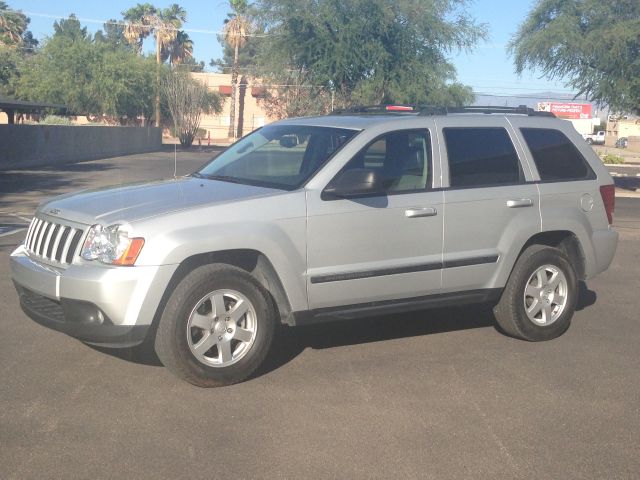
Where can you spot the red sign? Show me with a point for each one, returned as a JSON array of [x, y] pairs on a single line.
[[567, 110]]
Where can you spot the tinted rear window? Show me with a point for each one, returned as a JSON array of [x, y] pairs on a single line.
[[481, 157], [556, 157]]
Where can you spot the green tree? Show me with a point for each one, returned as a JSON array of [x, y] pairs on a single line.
[[10, 60], [13, 25], [246, 56], [236, 30], [592, 45], [125, 85], [16, 44], [370, 51], [89, 76], [189, 64], [187, 100], [70, 28], [113, 35]]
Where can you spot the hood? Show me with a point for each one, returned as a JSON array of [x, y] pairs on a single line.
[[133, 202]]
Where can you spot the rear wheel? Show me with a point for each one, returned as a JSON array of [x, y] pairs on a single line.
[[217, 326], [540, 297]]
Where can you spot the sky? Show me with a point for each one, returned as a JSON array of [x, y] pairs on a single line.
[[488, 68]]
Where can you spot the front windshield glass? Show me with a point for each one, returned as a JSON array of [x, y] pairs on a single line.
[[279, 156]]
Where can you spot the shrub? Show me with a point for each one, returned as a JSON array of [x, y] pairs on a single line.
[[612, 159]]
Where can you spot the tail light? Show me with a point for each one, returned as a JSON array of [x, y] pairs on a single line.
[[608, 193]]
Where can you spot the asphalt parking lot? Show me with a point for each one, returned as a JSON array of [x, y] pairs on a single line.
[[438, 394]]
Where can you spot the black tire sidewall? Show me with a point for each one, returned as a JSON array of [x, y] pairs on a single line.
[[188, 293], [557, 259]]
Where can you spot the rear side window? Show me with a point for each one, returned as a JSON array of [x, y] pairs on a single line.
[[481, 157], [556, 157]]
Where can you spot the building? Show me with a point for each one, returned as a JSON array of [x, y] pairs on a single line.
[[249, 98], [621, 126]]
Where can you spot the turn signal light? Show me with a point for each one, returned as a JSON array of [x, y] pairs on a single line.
[[130, 255]]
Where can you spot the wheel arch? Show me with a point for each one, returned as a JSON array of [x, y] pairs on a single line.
[[252, 261], [567, 242]]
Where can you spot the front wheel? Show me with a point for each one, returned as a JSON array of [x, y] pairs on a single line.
[[217, 326], [539, 299]]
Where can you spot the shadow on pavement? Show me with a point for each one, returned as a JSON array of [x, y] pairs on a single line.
[[290, 342], [47, 180], [586, 297], [143, 354]]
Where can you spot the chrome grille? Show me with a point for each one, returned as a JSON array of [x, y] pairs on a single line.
[[52, 242]]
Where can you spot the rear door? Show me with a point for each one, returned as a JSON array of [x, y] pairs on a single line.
[[491, 202]]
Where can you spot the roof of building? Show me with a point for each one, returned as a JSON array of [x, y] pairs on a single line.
[[23, 106]]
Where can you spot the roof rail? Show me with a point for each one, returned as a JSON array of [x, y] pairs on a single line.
[[522, 110], [425, 110]]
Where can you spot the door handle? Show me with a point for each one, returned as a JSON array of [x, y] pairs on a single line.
[[420, 212], [519, 203]]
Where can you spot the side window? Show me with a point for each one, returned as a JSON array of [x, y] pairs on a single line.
[[481, 157], [403, 158], [555, 156]]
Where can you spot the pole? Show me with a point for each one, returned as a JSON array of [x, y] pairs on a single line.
[[158, 77]]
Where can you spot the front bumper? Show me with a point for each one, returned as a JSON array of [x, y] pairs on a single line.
[[101, 305]]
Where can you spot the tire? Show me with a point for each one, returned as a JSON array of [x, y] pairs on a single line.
[[217, 326], [589, 141], [540, 296]]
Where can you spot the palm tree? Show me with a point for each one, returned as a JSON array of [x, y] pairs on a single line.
[[179, 50], [144, 19], [12, 25], [136, 30], [236, 31], [165, 24]]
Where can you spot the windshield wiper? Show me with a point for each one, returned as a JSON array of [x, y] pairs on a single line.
[[223, 178]]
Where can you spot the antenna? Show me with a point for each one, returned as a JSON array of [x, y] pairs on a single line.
[[175, 160]]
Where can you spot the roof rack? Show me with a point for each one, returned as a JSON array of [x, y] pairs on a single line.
[[521, 110], [426, 110]]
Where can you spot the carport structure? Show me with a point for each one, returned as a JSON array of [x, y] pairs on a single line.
[[10, 107]]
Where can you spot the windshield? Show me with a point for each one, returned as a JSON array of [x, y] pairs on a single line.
[[279, 156]]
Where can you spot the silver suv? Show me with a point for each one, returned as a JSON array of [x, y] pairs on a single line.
[[353, 214]]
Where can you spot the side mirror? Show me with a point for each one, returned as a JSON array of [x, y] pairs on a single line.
[[355, 183], [288, 141]]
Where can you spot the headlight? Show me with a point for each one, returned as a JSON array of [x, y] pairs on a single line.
[[111, 245]]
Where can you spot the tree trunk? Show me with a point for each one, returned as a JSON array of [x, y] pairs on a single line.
[[234, 81], [158, 78], [242, 91]]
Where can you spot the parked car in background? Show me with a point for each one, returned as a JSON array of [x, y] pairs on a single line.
[[622, 142], [595, 138]]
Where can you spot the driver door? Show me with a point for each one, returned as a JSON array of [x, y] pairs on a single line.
[[383, 247]]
